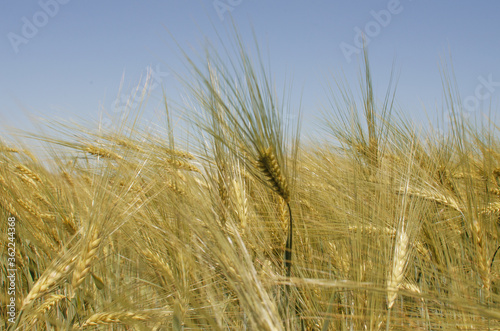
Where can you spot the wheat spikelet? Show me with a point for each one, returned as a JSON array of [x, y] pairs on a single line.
[[282, 211], [82, 267], [268, 165], [396, 275], [113, 318], [98, 282]]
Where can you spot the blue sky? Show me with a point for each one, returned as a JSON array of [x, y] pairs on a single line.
[[66, 58]]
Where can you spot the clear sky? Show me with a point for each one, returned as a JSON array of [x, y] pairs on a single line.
[[66, 58]]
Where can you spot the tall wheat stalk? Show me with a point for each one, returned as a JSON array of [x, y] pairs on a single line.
[[246, 119]]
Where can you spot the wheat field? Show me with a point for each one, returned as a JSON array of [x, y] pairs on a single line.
[[371, 225]]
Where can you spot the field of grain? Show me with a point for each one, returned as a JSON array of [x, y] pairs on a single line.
[[375, 226]]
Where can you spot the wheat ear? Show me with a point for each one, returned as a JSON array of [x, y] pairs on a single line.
[[25, 171], [82, 267], [398, 267], [241, 204], [111, 318], [98, 151], [45, 307], [484, 268], [4, 149], [267, 163], [47, 281]]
